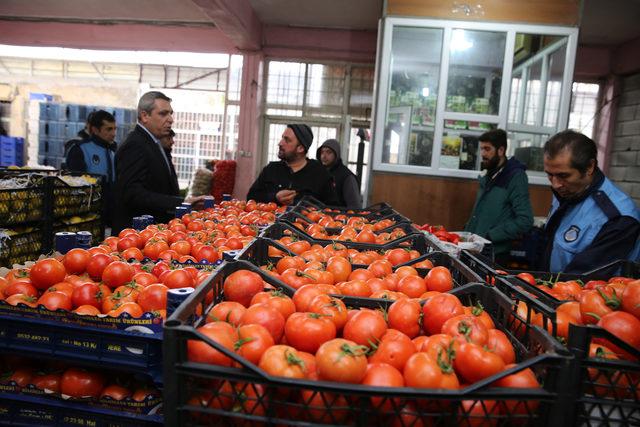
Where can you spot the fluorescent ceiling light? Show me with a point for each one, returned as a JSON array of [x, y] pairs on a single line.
[[458, 41]]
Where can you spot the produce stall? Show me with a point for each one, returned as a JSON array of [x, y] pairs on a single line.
[[248, 313]]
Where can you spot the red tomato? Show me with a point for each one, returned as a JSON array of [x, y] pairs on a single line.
[[202, 352], [227, 311], [437, 310], [55, 300], [394, 349], [75, 261], [20, 287], [341, 360], [631, 298], [329, 306], [115, 392], [27, 300], [421, 371], [527, 277], [267, 316], [383, 375], [474, 363], [366, 327], [96, 265], [439, 279], [178, 279], [49, 382], [624, 326], [47, 272], [253, 341], [87, 310], [412, 286], [405, 316], [282, 361], [87, 294], [466, 327], [308, 331], [498, 342], [241, 286], [153, 297], [78, 382], [522, 379], [117, 274]]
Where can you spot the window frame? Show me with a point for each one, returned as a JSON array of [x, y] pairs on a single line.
[[383, 85]]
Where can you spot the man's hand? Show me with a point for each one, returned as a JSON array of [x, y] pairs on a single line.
[[197, 202], [285, 197]]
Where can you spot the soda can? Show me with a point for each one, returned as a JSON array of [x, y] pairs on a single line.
[[226, 197], [181, 210], [149, 219], [187, 206], [83, 239], [139, 223], [209, 202], [175, 297], [65, 241]]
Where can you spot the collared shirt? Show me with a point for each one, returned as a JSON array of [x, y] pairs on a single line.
[[157, 141]]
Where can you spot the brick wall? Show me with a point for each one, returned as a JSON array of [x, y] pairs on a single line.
[[624, 168]]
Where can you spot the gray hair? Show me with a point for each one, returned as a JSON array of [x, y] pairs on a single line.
[[147, 101]]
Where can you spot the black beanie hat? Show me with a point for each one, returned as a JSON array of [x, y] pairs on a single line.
[[304, 135]]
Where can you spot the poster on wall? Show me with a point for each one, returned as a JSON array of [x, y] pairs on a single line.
[[450, 152]]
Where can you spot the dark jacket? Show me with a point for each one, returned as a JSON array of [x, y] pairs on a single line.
[[502, 211], [346, 183], [311, 180], [83, 135], [145, 184], [96, 156], [597, 228]]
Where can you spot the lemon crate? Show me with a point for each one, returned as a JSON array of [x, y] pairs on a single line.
[[19, 245], [202, 394], [67, 200], [92, 223], [21, 205]]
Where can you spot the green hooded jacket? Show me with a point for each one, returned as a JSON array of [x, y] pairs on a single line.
[[502, 211]]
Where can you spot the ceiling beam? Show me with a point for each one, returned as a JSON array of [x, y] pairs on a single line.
[[236, 19]]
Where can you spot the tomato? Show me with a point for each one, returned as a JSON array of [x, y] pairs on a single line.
[[97, 264], [55, 300], [296, 278], [20, 287], [567, 290], [202, 352], [339, 267], [227, 311], [282, 361], [498, 342], [153, 248], [383, 375], [253, 341], [527, 277], [366, 327], [50, 382], [178, 279], [466, 327], [241, 286], [64, 287], [412, 286], [380, 268], [267, 316], [356, 288], [474, 363], [595, 302], [129, 307], [117, 274], [398, 256], [394, 349], [333, 308], [153, 297], [115, 392], [439, 279], [439, 309], [77, 382], [479, 413], [47, 272], [87, 310], [75, 261], [87, 294], [624, 326], [421, 371], [144, 279], [441, 348], [405, 316], [21, 376], [207, 253], [521, 379], [631, 298], [307, 331], [288, 262], [341, 360]]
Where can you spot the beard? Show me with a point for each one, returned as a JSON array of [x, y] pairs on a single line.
[[490, 164], [287, 157]]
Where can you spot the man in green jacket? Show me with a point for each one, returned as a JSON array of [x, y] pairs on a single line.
[[502, 211]]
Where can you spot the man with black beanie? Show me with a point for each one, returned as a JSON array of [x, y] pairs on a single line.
[[294, 176]]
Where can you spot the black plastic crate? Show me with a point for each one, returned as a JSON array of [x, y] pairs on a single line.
[[75, 200], [199, 394], [16, 247], [74, 224], [606, 392]]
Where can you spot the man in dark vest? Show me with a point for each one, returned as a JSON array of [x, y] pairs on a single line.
[[95, 155], [347, 188]]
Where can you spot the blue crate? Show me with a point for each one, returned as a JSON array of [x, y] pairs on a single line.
[[11, 151], [42, 160], [56, 147], [30, 410], [70, 130], [54, 161], [44, 111], [119, 114], [43, 128], [43, 146], [73, 112], [119, 349]]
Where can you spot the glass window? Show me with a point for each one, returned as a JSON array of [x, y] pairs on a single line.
[[460, 145], [554, 86], [475, 71], [527, 148], [361, 98], [325, 90], [235, 77], [532, 95], [415, 69], [285, 83], [515, 99], [584, 106]]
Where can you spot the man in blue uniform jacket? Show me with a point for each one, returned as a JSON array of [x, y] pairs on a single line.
[[592, 222]]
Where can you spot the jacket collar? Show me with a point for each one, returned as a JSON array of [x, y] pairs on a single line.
[[598, 179]]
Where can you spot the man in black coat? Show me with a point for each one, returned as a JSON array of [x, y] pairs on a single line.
[[347, 188], [294, 176], [146, 181]]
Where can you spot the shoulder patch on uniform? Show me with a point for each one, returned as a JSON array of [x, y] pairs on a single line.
[[95, 159], [571, 235]]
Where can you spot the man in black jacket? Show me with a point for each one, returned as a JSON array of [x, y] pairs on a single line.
[[347, 188], [294, 176], [146, 182]]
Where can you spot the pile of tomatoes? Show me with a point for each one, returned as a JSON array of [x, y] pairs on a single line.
[[441, 233], [434, 342], [224, 178], [613, 305], [58, 379]]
